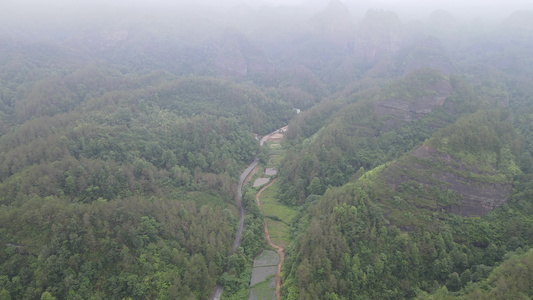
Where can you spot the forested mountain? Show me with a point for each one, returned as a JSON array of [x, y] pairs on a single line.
[[434, 169], [117, 183], [123, 132]]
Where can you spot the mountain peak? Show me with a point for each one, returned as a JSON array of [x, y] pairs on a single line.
[[335, 16], [519, 22]]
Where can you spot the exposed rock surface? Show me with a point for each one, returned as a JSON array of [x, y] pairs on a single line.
[[333, 24], [409, 109], [377, 35], [236, 55], [478, 192]]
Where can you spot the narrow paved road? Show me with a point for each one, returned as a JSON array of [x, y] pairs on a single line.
[[244, 174], [219, 288], [217, 292]]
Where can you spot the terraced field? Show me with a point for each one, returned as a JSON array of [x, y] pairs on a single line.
[[266, 279]]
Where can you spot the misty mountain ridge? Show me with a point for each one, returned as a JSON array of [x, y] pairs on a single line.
[[125, 128]]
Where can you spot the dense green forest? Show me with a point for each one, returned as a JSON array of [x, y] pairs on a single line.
[[123, 135], [419, 187], [117, 185]]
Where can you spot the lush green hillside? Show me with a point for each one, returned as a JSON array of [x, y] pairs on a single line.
[[123, 133], [510, 280], [118, 185], [375, 126], [132, 247], [417, 187], [389, 233]]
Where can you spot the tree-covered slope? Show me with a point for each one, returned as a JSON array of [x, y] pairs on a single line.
[[448, 194], [370, 128], [467, 168], [123, 131], [121, 185], [397, 230], [131, 247], [510, 280]]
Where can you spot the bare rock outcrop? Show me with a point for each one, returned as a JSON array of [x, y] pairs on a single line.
[[477, 192], [404, 110]]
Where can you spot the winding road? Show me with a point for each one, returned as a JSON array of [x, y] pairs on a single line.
[[219, 288]]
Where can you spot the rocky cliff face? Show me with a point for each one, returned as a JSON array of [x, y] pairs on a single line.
[[333, 25], [409, 109], [412, 98], [471, 192], [378, 35], [236, 55]]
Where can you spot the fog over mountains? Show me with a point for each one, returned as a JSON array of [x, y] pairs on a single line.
[[29, 13], [125, 127]]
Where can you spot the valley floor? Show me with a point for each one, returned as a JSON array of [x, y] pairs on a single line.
[[277, 218]]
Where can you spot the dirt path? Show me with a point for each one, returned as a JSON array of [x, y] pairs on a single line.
[[278, 248]]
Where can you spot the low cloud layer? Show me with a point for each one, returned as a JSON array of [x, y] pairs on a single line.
[[40, 14]]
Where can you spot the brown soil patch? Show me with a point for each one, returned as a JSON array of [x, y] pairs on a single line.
[[276, 137]]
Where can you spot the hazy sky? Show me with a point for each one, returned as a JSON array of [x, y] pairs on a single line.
[[32, 10], [463, 8], [407, 4]]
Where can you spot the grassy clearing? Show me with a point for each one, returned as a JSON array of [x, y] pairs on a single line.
[[280, 216], [266, 258], [276, 154], [279, 233], [270, 206], [265, 290], [260, 274]]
